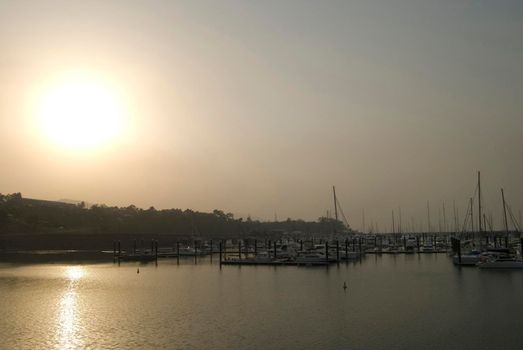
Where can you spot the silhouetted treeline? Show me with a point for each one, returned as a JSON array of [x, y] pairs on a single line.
[[23, 215]]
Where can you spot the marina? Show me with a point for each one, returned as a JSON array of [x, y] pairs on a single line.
[[321, 252]]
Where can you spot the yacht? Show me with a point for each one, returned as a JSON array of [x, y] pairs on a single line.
[[476, 256], [500, 261]]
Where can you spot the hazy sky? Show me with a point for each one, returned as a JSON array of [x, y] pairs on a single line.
[[260, 107]]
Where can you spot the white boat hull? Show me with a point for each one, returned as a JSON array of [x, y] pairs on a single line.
[[501, 265]]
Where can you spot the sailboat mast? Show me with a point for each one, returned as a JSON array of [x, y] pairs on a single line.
[[393, 228], [471, 216], [479, 201], [439, 220], [444, 219], [399, 215], [455, 216], [335, 208], [504, 211], [429, 229], [363, 221]]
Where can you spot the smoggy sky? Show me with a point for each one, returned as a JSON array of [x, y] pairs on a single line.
[[260, 107]]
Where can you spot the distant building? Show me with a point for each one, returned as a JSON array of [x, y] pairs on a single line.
[[46, 203]]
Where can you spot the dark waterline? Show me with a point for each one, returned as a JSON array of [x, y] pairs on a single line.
[[392, 302]]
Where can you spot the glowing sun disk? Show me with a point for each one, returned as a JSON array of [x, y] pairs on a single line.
[[80, 113]]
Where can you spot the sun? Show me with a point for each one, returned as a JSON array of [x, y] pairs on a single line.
[[80, 112]]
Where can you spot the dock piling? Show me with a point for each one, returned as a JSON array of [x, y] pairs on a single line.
[[220, 250], [119, 251], [239, 249], [458, 245], [195, 252]]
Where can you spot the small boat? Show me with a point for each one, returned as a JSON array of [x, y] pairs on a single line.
[[500, 262], [428, 248], [469, 259], [261, 257], [394, 249], [190, 251], [311, 258]]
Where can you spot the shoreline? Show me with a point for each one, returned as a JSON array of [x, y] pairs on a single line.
[[55, 256]]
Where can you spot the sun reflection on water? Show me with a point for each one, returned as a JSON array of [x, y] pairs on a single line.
[[68, 322], [74, 273]]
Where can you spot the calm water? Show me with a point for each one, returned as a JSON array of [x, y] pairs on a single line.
[[402, 302]]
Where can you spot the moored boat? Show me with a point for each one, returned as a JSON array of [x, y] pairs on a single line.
[[311, 258], [469, 259], [500, 262]]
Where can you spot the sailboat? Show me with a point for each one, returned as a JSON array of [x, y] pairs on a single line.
[[505, 259], [475, 256]]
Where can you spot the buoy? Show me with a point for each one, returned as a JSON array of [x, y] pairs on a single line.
[[138, 270]]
